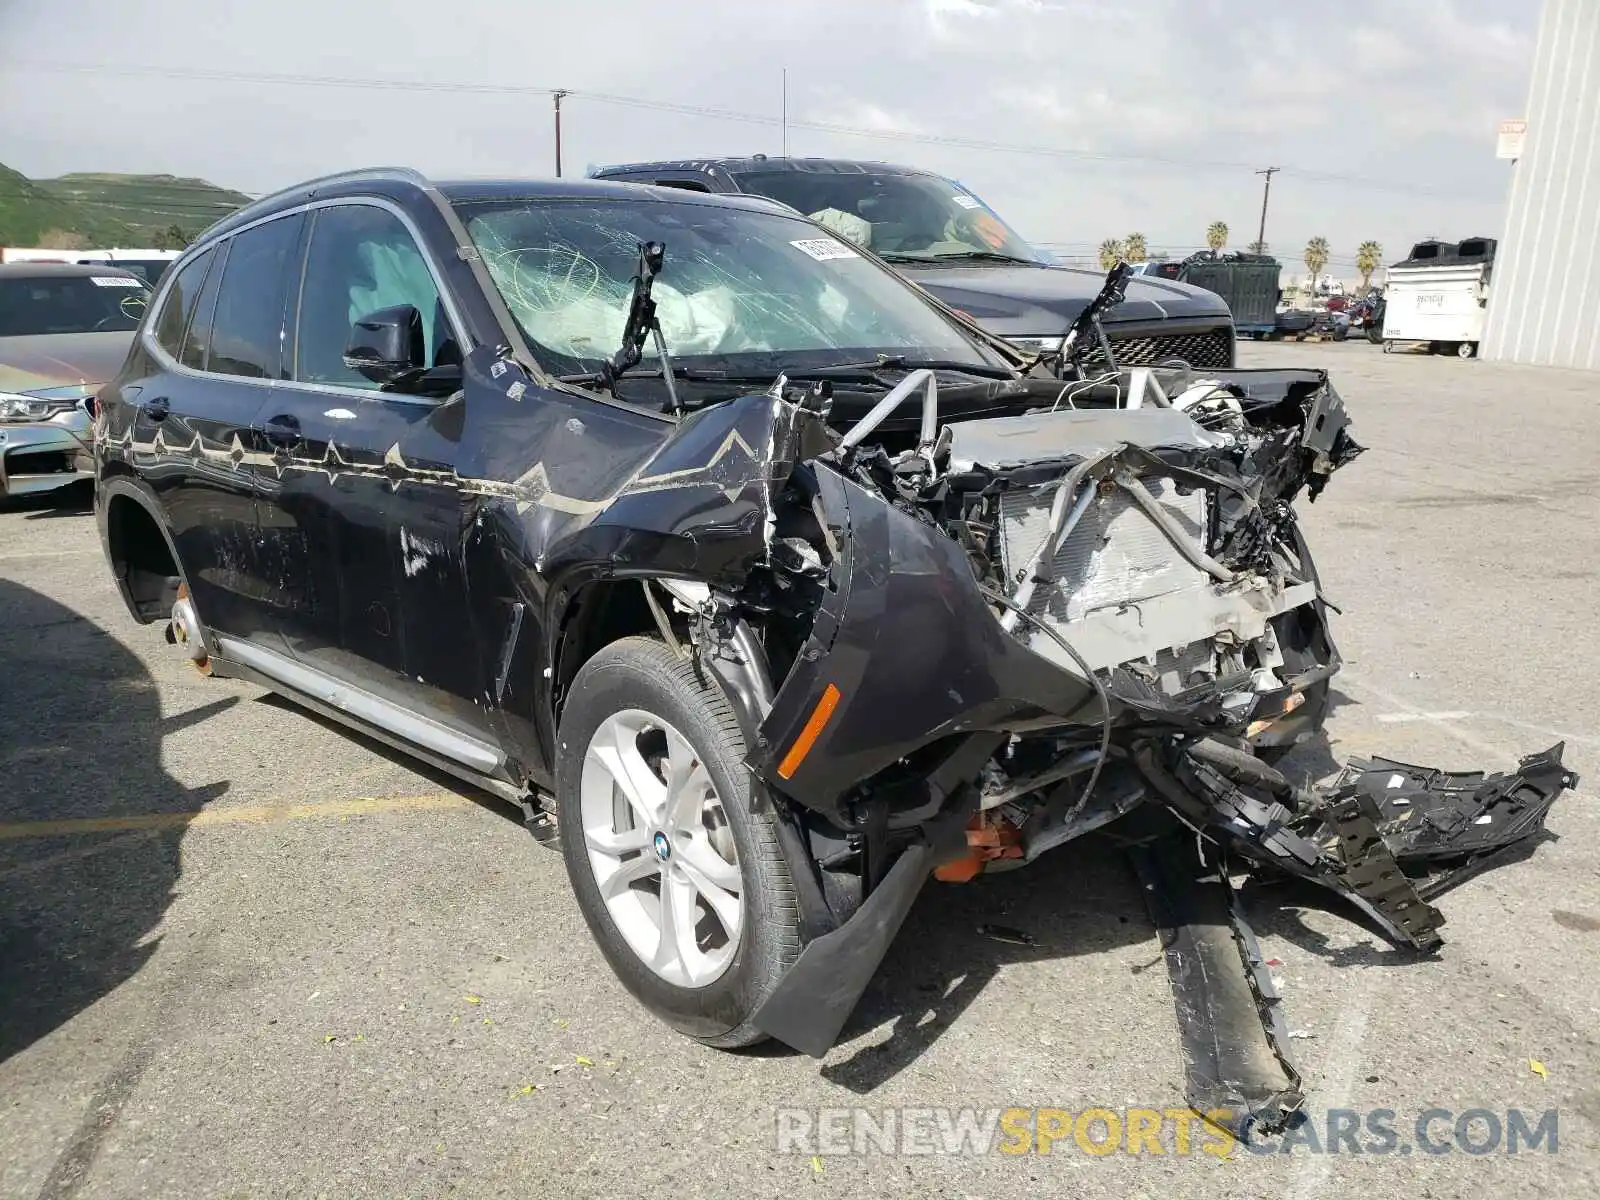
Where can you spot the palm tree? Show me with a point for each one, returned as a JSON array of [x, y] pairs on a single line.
[[1217, 235], [1134, 248], [1257, 247], [1368, 256], [1316, 257], [1110, 253]]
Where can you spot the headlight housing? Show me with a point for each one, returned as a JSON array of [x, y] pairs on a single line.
[[44, 403]]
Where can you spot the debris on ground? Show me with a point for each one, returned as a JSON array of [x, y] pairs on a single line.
[[1004, 933]]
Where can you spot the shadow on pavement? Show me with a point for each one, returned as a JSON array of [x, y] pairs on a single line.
[[80, 740], [74, 500], [1080, 899]]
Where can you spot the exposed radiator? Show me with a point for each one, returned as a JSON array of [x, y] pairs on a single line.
[[1121, 592], [1115, 554], [1114, 566]]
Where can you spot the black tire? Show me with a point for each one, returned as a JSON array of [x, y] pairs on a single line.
[[1341, 332], [644, 673], [1375, 334]]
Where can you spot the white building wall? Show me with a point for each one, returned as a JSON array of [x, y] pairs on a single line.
[[1544, 297]]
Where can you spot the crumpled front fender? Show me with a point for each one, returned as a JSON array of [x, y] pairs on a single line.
[[904, 651]]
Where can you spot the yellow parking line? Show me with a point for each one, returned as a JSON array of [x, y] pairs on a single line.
[[230, 816]]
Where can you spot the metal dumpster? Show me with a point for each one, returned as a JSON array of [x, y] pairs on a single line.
[[1438, 295], [1248, 282]]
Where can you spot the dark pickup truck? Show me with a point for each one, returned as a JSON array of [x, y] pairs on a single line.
[[953, 245]]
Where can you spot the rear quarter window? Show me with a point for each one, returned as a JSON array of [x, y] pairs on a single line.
[[178, 308]]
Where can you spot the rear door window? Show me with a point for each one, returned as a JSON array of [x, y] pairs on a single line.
[[247, 329], [178, 308]]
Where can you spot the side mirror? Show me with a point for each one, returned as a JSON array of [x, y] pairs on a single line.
[[387, 346]]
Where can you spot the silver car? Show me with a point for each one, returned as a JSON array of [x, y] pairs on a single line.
[[64, 331]]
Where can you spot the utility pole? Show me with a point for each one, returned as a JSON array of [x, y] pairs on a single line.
[[558, 96], [786, 112], [1266, 190]]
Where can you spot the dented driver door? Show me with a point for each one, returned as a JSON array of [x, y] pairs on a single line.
[[366, 522]]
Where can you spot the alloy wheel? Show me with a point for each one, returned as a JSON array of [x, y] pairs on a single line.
[[658, 841]]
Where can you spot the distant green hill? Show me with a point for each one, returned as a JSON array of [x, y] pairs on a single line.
[[29, 212], [103, 211], [148, 204]]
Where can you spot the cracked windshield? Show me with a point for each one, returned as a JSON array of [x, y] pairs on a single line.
[[742, 292], [903, 218]]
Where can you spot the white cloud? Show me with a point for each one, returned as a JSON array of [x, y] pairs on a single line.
[[1406, 96]]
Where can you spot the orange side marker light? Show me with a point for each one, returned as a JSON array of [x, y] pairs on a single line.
[[808, 736]]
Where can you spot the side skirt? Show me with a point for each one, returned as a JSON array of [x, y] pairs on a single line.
[[468, 759]]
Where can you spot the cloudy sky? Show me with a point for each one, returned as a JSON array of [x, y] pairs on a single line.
[[1076, 120]]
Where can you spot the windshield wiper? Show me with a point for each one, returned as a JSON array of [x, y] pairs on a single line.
[[957, 256], [642, 322], [901, 362], [985, 256], [869, 373], [854, 373]]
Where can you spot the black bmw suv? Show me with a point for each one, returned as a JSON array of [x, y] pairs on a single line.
[[945, 239], [765, 584]]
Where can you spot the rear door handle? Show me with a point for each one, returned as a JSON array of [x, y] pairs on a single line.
[[156, 408], [283, 430]]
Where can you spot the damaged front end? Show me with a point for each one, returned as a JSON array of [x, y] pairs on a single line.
[[990, 636]]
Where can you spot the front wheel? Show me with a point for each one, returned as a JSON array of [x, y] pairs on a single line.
[[672, 854]]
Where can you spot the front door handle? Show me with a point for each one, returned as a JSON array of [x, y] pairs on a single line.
[[283, 430], [157, 408]]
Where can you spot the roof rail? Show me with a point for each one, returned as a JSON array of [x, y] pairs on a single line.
[[250, 211]]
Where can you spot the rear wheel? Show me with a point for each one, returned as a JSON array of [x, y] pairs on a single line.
[[1466, 349], [674, 861], [186, 632]]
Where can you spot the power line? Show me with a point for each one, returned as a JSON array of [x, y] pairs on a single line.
[[713, 113]]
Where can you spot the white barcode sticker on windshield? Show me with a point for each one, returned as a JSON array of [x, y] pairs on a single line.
[[115, 281], [824, 249], [967, 201]]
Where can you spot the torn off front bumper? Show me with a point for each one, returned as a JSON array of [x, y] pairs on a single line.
[[1386, 836]]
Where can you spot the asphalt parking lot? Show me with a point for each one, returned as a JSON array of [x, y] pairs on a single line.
[[244, 953]]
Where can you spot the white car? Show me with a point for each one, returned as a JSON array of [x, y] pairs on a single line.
[[64, 331]]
